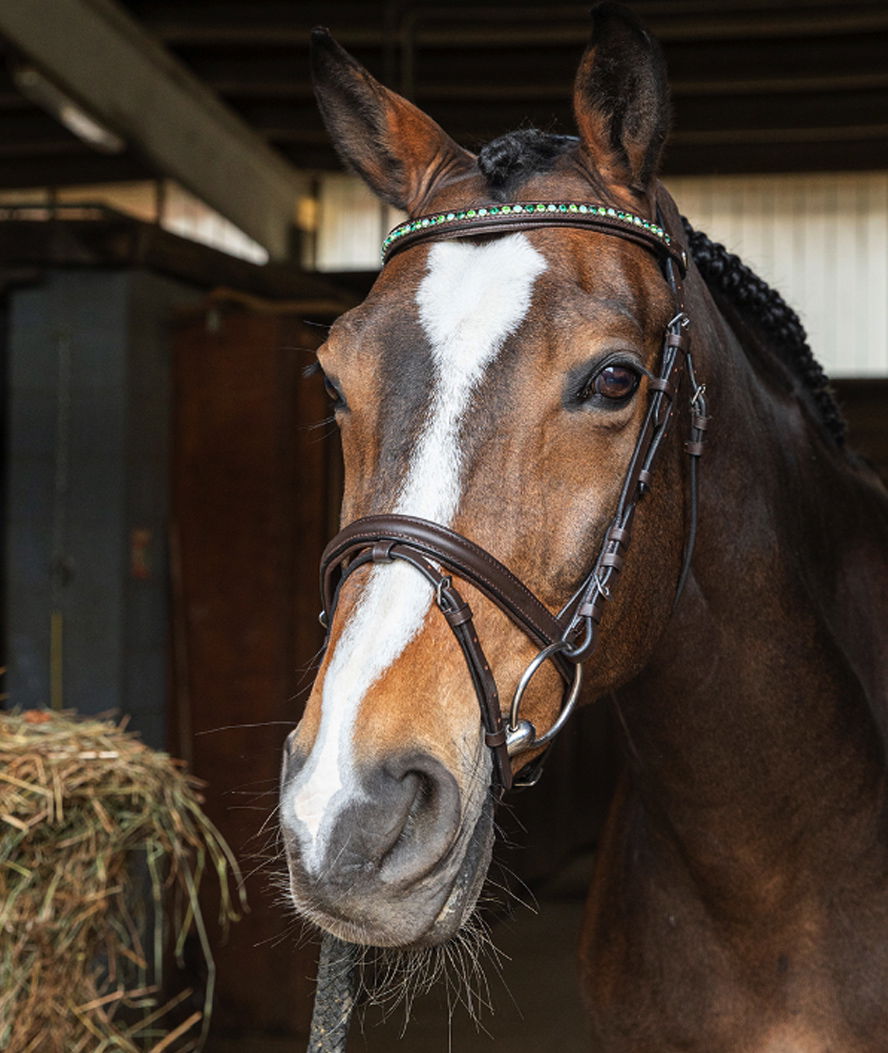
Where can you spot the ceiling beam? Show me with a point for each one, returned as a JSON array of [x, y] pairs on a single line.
[[505, 25], [96, 54]]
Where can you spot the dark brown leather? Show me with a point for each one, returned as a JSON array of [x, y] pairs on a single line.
[[458, 554], [533, 221], [485, 689]]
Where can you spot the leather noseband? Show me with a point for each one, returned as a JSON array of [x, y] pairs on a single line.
[[439, 554]]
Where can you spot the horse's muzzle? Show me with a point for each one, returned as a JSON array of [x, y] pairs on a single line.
[[396, 863]]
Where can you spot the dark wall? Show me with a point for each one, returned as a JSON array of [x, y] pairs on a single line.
[[254, 490], [85, 558]]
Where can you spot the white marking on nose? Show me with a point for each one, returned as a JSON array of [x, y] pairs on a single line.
[[471, 299]]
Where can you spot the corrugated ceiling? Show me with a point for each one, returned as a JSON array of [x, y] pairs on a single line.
[[757, 86]]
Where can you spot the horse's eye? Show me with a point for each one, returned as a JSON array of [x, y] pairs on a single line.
[[334, 393], [614, 382]]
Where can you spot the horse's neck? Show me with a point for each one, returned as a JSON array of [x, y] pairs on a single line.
[[757, 735]]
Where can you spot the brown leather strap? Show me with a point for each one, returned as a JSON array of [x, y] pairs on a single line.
[[499, 219], [458, 554], [459, 617]]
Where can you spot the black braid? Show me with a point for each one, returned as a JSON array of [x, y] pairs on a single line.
[[727, 273]]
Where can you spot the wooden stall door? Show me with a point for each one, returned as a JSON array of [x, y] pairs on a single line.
[[254, 481]]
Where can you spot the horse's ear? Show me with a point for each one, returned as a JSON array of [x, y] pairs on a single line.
[[621, 98], [390, 143]]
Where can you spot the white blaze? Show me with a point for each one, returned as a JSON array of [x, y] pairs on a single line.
[[471, 298]]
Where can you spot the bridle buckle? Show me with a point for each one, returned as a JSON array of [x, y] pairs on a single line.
[[445, 582]]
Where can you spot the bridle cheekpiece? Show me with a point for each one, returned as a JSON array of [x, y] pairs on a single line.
[[568, 638]]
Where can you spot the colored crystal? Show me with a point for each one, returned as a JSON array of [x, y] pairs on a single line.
[[422, 222]]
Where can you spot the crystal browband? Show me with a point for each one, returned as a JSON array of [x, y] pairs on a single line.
[[517, 215]]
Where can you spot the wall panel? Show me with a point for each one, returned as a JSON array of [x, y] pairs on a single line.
[[822, 240]]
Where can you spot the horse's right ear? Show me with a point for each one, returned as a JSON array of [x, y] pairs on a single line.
[[394, 146], [621, 98]]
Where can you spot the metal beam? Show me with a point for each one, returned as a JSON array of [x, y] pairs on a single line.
[[95, 53], [276, 24]]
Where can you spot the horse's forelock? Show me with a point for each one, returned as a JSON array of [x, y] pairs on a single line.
[[509, 161]]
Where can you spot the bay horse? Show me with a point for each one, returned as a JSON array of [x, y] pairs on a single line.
[[523, 399]]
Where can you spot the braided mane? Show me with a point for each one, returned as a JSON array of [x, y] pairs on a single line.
[[757, 302]]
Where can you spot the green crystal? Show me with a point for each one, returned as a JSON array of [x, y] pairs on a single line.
[[413, 225]]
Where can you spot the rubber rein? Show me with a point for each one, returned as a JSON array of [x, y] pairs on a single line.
[[438, 554]]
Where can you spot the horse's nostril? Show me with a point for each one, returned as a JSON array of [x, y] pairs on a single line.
[[427, 800], [396, 828]]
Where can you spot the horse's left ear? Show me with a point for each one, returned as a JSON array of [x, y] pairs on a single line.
[[621, 98], [400, 151]]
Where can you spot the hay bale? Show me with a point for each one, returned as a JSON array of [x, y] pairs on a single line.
[[95, 827]]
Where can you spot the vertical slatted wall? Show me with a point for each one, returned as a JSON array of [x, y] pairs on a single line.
[[822, 240]]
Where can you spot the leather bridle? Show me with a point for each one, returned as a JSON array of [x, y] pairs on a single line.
[[439, 554]]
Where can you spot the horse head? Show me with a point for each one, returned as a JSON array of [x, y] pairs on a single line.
[[500, 395]]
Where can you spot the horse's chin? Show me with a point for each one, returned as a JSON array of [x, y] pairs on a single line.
[[424, 918]]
